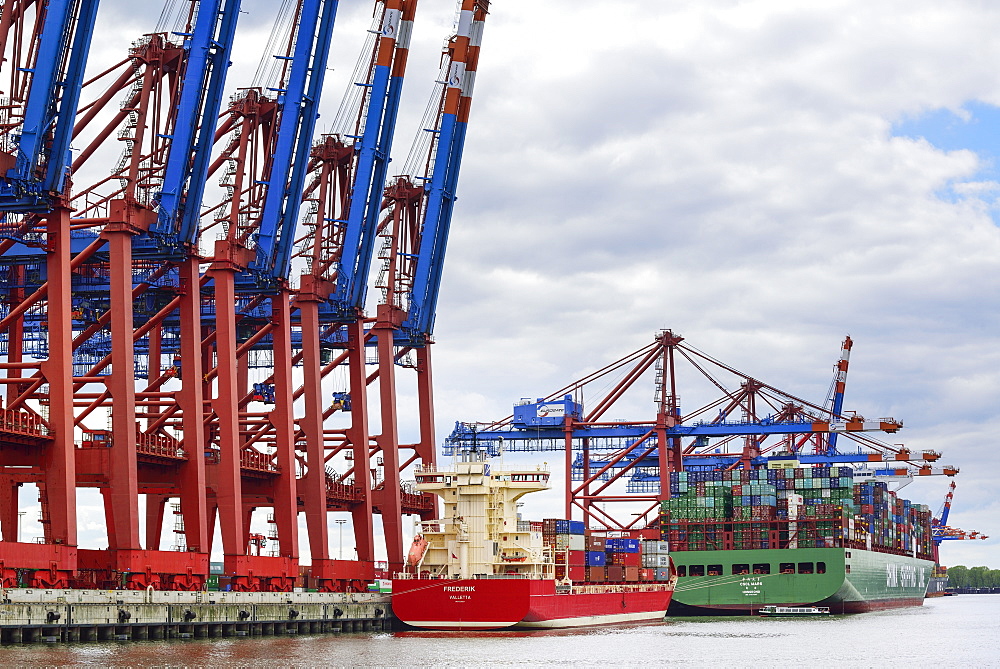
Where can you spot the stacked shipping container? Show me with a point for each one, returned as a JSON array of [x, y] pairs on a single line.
[[634, 556], [565, 539], [801, 507]]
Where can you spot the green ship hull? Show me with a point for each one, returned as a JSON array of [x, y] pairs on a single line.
[[847, 580]]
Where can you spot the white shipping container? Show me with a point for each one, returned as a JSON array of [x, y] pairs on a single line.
[[571, 542], [655, 560], [653, 547]]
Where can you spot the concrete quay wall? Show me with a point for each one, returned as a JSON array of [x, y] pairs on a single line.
[[34, 615]]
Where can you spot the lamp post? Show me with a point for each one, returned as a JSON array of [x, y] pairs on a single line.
[[340, 550]]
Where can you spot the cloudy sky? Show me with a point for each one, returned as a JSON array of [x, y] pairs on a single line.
[[762, 177]]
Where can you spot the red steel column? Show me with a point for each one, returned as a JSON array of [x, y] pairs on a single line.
[[194, 503], [425, 398], [153, 366], [313, 486], [8, 510], [124, 492], [588, 516], [361, 514], [15, 337], [388, 442], [285, 493], [59, 467], [568, 473], [155, 506], [226, 405]]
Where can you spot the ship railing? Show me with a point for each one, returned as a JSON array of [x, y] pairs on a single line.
[[618, 587], [406, 576]]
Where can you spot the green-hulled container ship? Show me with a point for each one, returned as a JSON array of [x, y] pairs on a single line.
[[845, 580], [793, 536]]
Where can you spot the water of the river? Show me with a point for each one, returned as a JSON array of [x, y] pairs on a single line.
[[962, 631]]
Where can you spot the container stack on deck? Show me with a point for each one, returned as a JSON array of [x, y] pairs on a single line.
[[801, 507], [605, 557], [565, 540]]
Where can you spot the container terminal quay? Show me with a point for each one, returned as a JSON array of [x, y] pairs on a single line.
[[211, 307]]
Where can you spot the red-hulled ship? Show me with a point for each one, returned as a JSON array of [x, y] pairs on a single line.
[[482, 568]]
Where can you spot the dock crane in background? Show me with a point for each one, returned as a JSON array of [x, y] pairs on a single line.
[[941, 531], [748, 425], [835, 401]]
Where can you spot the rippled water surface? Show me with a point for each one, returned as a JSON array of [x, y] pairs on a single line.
[[962, 631]]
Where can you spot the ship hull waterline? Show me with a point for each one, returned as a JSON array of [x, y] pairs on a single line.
[[843, 579]]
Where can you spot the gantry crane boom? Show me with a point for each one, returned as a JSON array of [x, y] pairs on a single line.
[[946, 508], [372, 155], [38, 170], [836, 399], [299, 100], [939, 526], [209, 49], [442, 178]]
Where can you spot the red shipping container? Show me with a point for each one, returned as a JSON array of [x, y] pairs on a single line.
[[595, 574], [630, 559], [615, 573], [647, 574], [577, 573], [595, 543], [577, 558], [560, 572], [631, 574]]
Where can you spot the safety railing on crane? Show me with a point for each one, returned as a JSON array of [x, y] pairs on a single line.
[[257, 461], [23, 423], [159, 445]]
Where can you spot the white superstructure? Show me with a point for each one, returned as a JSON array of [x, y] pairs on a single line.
[[479, 533]]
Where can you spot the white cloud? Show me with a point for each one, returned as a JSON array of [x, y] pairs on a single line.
[[727, 170]]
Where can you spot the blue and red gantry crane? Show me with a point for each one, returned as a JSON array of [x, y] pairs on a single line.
[[941, 531], [168, 340], [615, 467]]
